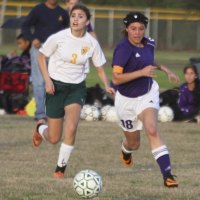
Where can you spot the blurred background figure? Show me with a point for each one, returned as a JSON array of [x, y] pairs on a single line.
[[185, 99], [15, 77], [24, 45], [42, 21], [189, 94]]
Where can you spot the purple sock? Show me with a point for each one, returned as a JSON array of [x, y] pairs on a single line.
[[161, 155]]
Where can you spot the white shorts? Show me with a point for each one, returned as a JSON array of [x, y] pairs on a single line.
[[128, 108]]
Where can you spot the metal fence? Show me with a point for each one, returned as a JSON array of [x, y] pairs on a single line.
[[172, 28]]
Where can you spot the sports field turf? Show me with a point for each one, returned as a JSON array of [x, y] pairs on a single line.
[[175, 60], [26, 173]]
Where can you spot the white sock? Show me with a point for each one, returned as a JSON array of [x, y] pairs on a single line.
[[160, 151], [41, 130], [64, 154], [125, 150]]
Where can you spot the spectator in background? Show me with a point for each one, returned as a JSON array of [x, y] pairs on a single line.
[[12, 98], [24, 45], [70, 4], [42, 21], [189, 95], [12, 58]]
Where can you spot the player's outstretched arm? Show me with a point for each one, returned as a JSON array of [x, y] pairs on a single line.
[[102, 75], [171, 76]]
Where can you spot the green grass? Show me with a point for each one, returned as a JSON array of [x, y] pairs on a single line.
[[175, 60], [26, 173], [161, 78]]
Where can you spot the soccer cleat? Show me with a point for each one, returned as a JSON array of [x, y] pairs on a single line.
[[58, 174], [126, 159], [37, 138], [169, 181]]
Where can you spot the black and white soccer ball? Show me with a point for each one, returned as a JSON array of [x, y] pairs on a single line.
[[90, 113], [104, 111], [111, 115], [165, 114], [87, 184], [83, 115]]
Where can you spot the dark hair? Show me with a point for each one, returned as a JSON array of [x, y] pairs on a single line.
[[20, 36], [196, 91], [135, 17], [83, 8]]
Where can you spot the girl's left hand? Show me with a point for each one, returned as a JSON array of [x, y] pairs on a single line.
[[173, 77], [49, 86], [110, 90]]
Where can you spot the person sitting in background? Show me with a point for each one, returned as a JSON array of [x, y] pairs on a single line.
[[13, 57], [24, 45], [189, 94], [14, 86]]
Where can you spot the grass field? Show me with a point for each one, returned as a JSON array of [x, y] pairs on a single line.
[[26, 173], [175, 60]]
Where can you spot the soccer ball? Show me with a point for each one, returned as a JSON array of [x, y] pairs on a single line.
[[104, 111], [83, 115], [87, 184], [90, 113], [165, 114], [111, 115]]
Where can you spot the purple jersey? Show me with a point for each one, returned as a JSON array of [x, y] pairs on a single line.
[[89, 28], [132, 58], [186, 100]]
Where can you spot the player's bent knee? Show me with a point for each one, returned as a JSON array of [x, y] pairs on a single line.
[[152, 131], [53, 140]]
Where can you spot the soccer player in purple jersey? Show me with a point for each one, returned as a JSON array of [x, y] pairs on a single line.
[[189, 96], [137, 94]]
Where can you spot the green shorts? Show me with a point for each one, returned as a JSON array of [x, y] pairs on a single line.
[[65, 94]]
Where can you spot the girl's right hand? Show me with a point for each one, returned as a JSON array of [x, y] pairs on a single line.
[[149, 71], [49, 86]]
